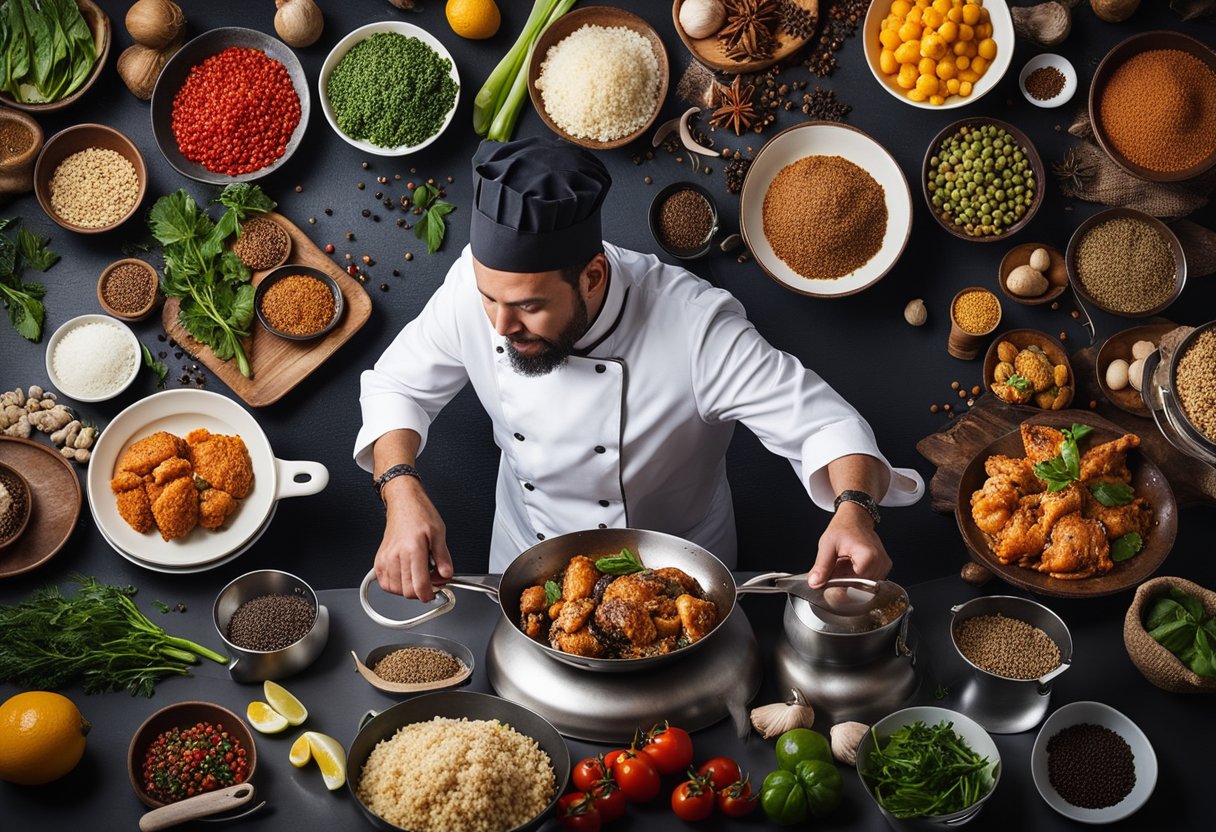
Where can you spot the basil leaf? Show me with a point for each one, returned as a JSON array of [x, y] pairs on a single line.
[[1079, 432], [1112, 494], [1204, 661], [1019, 383], [155, 366], [1192, 605], [1125, 547], [553, 593], [1174, 636], [623, 564], [1163, 611]]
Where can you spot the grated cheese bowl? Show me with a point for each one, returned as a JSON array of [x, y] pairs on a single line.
[[119, 384]]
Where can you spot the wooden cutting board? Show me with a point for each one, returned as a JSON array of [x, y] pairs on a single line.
[[277, 364], [710, 51]]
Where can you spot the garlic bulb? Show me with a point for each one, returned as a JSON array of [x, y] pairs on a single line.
[[775, 719], [845, 738], [702, 18], [915, 312]]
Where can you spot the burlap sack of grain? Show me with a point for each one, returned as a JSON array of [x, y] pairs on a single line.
[[1159, 665]]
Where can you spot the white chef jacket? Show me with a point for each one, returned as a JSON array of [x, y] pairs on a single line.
[[632, 430]]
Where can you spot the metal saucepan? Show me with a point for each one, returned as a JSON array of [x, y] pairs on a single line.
[[375, 728], [546, 559]]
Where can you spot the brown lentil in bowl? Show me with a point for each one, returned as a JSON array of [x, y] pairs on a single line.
[[418, 666], [128, 288]]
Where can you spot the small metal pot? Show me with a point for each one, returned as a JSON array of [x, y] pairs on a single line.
[[1001, 704], [1160, 394], [260, 665]]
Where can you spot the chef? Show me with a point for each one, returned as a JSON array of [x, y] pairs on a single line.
[[613, 382]]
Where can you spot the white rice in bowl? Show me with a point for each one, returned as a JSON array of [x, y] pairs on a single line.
[[457, 774], [600, 83]]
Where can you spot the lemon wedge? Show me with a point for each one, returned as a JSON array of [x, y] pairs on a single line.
[[330, 757], [301, 751], [265, 718], [282, 701]]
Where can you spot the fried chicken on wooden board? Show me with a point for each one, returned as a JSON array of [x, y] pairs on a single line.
[[222, 461], [1108, 461], [1041, 442], [1078, 549], [151, 451]]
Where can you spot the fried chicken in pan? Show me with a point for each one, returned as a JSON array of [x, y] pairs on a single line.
[[214, 507], [1078, 549], [1041, 442], [1108, 461]]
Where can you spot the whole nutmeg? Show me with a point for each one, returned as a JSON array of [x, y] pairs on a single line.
[[702, 18], [915, 312], [1040, 260], [1114, 11]]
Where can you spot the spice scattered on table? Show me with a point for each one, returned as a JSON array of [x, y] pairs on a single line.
[[418, 666], [1196, 383], [981, 181], [1007, 647], [977, 311], [825, 217], [236, 112], [129, 288], [94, 359], [1090, 766], [271, 622], [184, 762], [1126, 265], [685, 220], [298, 304], [263, 244], [1045, 83], [14, 499], [94, 188]]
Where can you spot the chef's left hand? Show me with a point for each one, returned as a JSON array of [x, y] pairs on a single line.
[[850, 547]]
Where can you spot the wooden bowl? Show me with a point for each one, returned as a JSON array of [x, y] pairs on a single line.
[[16, 482], [99, 25], [1036, 166], [710, 51], [17, 171], [1119, 345], [1115, 58], [1070, 259], [964, 344], [184, 715], [73, 140], [407, 640], [276, 275], [152, 279], [1147, 480], [1022, 339], [605, 16], [279, 230], [1056, 274]]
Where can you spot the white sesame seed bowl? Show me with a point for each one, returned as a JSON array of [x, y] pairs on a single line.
[[90, 178], [92, 358]]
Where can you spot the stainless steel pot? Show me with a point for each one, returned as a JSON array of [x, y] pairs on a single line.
[[376, 727], [260, 665], [1160, 394]]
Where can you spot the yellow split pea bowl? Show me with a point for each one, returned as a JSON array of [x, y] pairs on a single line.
[[934, 59]]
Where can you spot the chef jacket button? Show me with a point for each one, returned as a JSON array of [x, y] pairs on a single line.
[[599, 449], [604, 503], [599, 368], [519, 437], [498, 349], [540, 536], [602, 526], [529, 486]]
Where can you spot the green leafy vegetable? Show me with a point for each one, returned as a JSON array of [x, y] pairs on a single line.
[[1019, 383], [158, 367], [217, 297], [626, 563], [553, 593], [161, 607], [46, 49], [924, 770], [1112, 494], [1064, 469], [99, 638], [430, 225], [1181, 625], [23, 300], [1126, 546]]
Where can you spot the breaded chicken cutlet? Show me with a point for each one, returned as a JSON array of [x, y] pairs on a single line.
[[151, 451], [222, 461]]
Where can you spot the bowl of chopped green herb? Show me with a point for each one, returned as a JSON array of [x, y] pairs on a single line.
[[389, 88], [928, 768]]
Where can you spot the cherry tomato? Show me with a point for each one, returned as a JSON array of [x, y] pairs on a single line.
[[722, 771], [611, 757], [738, 799], [576, 812], [636, 776], [609, 800], [587, 774], [670, 749], [693, 800]]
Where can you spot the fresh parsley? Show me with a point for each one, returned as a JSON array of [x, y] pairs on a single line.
[[158, 367], [1181, 625], [23, 300], [213, 284], [626, 563], [553, 593], [1111, 494], [430, 225], [1127, 546], [1064, 469], [1019, 383]]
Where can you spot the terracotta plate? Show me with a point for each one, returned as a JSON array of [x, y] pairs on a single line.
[[1022, 339], [56, 494], [1119, 345], [1148, 481]]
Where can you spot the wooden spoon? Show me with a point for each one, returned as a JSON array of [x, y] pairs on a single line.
[[208, 803]]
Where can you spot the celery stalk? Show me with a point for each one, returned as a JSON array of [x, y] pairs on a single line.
[[496, 88], [504, 121]]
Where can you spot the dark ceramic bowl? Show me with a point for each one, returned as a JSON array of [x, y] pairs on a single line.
[[23, 519], [99, 25], [173, 76], [275, 275], [1070, 258], [656, 206], [73, 140]]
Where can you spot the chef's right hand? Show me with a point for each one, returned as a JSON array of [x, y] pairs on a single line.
[[414, 551]]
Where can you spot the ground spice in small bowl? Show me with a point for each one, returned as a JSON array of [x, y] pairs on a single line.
[[1045, 83], [418, 666], [685, 220], [1126, 265], [94, 188], [13, 503], [977, 312], [299, 304], [271, 622], [129, 288], [1196, 383], [15, 139], [1007, 647], [1090, 766], [263, 244]]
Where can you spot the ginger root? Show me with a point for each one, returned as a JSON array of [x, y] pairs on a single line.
[[21, 428], [52, 419]]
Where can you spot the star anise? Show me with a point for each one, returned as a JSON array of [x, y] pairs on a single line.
[[735, 107], [749, 31], [1073, 171]]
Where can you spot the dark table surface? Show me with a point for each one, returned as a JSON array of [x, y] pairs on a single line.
[[890, 371]]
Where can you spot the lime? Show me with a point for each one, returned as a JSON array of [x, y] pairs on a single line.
[[282, 701], [330, 757], [265, 718], [301, 751], [802, 744]]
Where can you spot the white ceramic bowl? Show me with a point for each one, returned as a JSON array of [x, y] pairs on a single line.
[[1002, 33], [346, 44], [68, 326], [1095, 713], [1065, 68]]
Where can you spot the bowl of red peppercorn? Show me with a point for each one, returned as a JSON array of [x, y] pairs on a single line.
[[298, 303], [187, 749], [230, 106]]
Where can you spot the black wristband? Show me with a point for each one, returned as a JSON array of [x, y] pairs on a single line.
[[862, 499], [400, 470]]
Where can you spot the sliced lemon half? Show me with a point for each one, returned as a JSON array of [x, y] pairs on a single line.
[[282, 701], [265, 718], [330, 757], [301, 751]]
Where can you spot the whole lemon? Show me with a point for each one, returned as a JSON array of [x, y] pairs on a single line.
[[42, 737], [473, 19]]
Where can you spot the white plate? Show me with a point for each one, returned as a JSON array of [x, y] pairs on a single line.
[[361, 34], [1095, 713], [1065, 68], [826, 139], [191, 570], [179, 412]]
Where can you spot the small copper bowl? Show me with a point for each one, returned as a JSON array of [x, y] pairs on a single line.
[[152, 282], [13, 480]]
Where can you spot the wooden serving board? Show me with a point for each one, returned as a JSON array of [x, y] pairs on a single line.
[[277, 364], [710, 51]]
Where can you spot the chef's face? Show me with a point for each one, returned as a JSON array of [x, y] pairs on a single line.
[[541, 314]]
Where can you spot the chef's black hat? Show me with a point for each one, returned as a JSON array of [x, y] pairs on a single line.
[[536, 205]]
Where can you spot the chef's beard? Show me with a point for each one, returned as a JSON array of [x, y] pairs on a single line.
[[553, 352]]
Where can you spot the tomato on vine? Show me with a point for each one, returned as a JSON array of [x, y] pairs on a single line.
[[609, 800], [738, 799], [636, 776], [693, 799], [588, 773], [670, 749], [577, 813], [722, 771]]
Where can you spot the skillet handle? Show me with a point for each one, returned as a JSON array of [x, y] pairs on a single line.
[[316, 477], [762, 584], [445, 606]]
